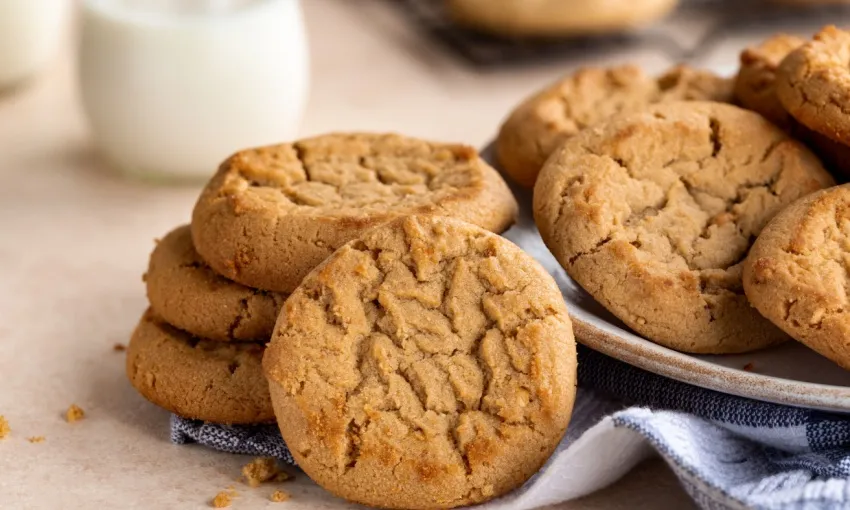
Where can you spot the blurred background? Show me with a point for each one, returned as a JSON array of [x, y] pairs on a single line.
[[163, 89]]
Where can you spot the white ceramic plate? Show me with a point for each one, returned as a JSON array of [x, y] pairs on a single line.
[[787, 374]]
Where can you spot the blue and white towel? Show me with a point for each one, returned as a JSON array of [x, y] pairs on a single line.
[[728, 452]]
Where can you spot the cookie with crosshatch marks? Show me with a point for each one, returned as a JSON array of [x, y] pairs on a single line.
[[653, 214], [195, 378], [272, 214], [796, 272], [429, 364], [188, 294]]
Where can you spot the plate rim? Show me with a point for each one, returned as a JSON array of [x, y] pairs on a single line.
[[687, 368]]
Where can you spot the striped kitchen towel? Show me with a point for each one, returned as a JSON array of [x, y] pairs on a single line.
[[728, 452]]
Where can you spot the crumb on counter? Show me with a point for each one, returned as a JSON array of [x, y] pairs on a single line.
[[36, 439], [4, 427], [749, 367], [119, 347], [223, 499], [260, 470], [74, 413], [280, 496]]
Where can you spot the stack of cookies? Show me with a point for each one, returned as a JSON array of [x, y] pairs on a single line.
[[265, 220], [704, 226], [415, 358]]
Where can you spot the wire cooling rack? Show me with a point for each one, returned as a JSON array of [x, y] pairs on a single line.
[[727, 16]]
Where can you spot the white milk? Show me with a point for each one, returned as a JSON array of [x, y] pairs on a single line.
[[30, 31], [172, 87]]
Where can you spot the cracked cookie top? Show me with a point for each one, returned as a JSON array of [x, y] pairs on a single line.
[[755, 84], [542, 122], [195, 378], [652, 213], [813, 84], [273, 213], [796, 274], [183, 290], [429, 364]]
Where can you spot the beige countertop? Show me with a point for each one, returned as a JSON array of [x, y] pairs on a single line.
[[75, 241]]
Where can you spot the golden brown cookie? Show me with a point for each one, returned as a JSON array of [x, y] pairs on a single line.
[[270, 215], [755, 89], [429, 364], [652, 213], [542, 122], [186, 293], [755, 84], [796, 272], [553, 18], [813, 84], [200, 379]]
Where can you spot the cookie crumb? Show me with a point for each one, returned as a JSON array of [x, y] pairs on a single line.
[[119, 347], [283, 476], [749, 367], [36, 439], [223, 499], [260, 470], [4, 427], [280, 496], [74, 413]]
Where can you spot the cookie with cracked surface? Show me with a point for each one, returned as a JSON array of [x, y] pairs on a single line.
[[653, 213], [429, 364], [195, 378], [755, 89], [272, 214], [796, 272], [542, 122], [813, 84], [755, 84], [185, 292], [556, 18]]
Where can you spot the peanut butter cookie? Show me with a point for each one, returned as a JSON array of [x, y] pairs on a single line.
[[552, 18], [755, 84], [186, 293], [653, 213], [813, 84], [200, 379], [270, 215], [429, 364], [755, 89], [542, 122], [796, 272]]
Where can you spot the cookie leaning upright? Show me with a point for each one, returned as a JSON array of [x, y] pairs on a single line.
[[652, 213], [813, 84], [796, 272], [272, 214], [539, 124], [428, 364]]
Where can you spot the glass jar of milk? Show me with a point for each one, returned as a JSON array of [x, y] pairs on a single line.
[[172, 87], [30, 33]]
